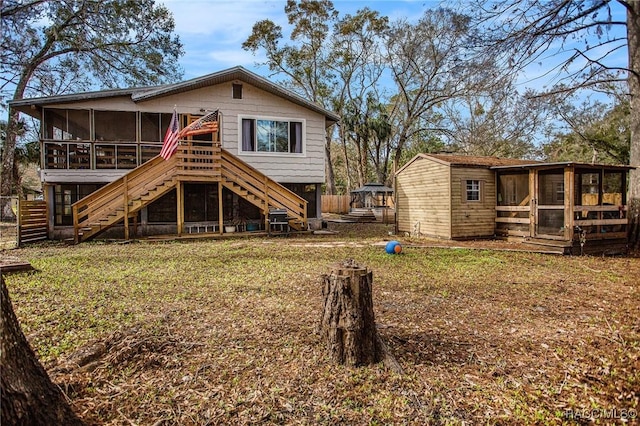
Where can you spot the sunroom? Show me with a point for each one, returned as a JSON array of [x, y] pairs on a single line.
[[580, 206]]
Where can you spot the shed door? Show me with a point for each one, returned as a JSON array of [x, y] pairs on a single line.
[[550, 206]]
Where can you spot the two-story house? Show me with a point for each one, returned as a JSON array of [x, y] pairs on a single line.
[[101, 170]]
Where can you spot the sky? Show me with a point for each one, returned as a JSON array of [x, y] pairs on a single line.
[[212, 32]]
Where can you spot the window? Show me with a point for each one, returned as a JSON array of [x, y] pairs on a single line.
[[308, 192], [560, 192], [236, 89], [163, 209], [64, 197], [473, 190], [264, 135]]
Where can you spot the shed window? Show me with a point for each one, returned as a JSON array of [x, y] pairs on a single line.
[[473, 190]]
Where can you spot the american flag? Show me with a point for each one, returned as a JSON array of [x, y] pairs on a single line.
[[170, 143], [208, 123]]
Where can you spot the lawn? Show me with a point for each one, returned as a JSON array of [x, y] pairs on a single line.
[[223, 332]]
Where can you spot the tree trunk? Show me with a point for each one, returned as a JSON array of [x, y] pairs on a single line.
[[7, 169], [348, 322], [633, 40], [330, 179], [28, 395]]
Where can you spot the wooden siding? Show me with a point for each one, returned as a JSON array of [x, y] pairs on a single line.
[[471, 219], [423, 199], [53, 176]]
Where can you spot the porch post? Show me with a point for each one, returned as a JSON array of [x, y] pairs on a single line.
[[126, 207], [220, 206], [180, 207], [533, 201], [266, 204], [568, 203]]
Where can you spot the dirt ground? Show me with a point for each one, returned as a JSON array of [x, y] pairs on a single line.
[[223, 332]]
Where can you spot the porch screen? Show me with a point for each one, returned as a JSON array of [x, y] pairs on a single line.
[[66, 124], [550, 202]]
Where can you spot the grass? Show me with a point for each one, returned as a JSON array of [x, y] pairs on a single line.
[[223, 332]]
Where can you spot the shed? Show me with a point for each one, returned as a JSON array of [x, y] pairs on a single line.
[[573, 207], [448, 196]]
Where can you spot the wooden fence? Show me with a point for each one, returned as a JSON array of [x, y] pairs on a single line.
[[33, 221], [338, 204]]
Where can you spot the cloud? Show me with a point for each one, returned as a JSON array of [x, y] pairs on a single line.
[[228, 21]]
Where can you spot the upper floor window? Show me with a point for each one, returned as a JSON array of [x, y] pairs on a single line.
[[274, 136], [236, 89]]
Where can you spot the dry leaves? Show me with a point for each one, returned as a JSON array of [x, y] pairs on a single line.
[[223, 332]]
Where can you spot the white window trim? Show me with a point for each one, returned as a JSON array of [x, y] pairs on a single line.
[[273, 154], [466, 191]]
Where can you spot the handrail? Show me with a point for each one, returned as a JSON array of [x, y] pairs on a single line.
[[125, 195], [142, 179], [262, 186]]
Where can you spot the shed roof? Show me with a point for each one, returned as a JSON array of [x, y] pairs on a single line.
[[474, 160], [469, 160], [564, 164], [140, 94]]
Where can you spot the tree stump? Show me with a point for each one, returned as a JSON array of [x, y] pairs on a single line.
[[348, 323]]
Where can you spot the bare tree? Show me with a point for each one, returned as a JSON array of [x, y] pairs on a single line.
[[52, 46], [500, 123], [432, 61], [587, 36]]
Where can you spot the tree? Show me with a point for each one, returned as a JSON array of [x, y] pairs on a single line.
[[358, 64], [432, 61], [596, 133], [305, 61], [28, 395], [499, 123], [586, 37], [367, 125], [50, 47]]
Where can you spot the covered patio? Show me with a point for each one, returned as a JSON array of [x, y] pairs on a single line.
[[582, 207]]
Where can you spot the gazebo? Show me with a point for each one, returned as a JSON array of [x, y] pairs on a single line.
[[371, 195], [373, 199]]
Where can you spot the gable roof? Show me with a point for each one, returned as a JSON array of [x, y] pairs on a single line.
[[140, 94], [479, 161], [469, 160]]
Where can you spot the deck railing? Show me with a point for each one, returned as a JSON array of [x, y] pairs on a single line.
[[194, 161], [125, 195]]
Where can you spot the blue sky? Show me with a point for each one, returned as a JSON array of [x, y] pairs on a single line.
[[213, 31]]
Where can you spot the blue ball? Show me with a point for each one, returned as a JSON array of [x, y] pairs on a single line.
[[393, 247]]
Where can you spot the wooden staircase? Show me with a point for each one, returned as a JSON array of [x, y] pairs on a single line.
[[120, 200]]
